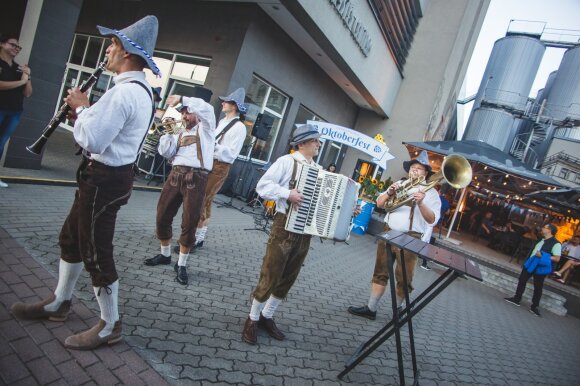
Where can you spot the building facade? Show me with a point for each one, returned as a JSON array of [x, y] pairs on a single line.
[[379, 67]]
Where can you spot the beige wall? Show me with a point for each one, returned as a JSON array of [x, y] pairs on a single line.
[[377, 71], [434, 72]]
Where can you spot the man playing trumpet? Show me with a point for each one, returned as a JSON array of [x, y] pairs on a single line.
[[416, 220], [191, 153]]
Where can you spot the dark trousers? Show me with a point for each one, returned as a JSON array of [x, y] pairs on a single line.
[[185, 186], [282, 262], [87, 233], [538, 286]]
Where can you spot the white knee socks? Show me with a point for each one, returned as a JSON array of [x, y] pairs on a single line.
[[373, 300], [166, 250], [200, 234], [183, 259], [68, 274], [256, 309], [270, 307], [108, 298]]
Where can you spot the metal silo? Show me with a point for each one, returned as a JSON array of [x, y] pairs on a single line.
[[563, 99], [494, 119], [504, 88]]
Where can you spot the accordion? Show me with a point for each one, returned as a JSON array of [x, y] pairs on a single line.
[[328, 205]]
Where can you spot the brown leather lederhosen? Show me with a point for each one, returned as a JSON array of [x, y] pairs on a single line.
[[185, 186]]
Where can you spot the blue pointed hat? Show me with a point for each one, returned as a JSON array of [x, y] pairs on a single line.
[[138, 39], [422, 158], [237, 97]]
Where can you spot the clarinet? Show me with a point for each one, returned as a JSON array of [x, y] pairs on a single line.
[[60, 116]]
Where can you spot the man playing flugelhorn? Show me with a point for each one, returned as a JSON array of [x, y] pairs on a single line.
[[416, 220], [191, 152]]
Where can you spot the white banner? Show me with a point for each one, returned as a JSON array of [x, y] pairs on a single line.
[[379, 151]]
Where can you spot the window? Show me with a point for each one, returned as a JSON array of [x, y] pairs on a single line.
[[564, 173], [263, 98], [180, 73]]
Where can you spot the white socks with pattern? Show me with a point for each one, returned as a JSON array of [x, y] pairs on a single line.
[[108, 299], [68, 274]]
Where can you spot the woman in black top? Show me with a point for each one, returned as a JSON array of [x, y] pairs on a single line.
[[14, 86]]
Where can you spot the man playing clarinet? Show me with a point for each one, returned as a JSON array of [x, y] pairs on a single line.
[[111, 132]]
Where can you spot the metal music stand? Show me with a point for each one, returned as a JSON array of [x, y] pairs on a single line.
[[456, 265]]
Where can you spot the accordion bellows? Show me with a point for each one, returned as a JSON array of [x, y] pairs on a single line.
[[329, 202]]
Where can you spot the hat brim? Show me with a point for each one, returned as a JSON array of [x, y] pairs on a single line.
[[241, 108], [308, 138], [407, 165], [104, 31]]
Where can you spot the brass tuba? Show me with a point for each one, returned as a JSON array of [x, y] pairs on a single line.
[[455, 170]]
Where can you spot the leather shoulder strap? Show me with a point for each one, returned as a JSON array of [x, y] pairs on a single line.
[[220, 136], [150, 93]]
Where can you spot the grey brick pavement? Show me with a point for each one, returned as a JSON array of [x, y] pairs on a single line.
[[191, 335]]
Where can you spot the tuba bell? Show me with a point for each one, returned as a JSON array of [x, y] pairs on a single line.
[[455, 171]]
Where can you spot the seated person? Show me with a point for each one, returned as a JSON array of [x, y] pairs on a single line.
[[571, 249], [486, 228]]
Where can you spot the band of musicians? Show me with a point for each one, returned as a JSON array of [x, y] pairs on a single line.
[[111, 131], [309, 202]]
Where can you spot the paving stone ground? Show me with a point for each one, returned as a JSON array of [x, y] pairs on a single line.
[[191, 335]]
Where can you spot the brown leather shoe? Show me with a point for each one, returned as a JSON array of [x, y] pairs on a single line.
[[250, 333], [270, 327], [37, 311], [90, 339]]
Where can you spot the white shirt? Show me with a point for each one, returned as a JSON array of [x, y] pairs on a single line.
[[205, 129], [399, 218], [274, 184], [231, 142], [113, 128]]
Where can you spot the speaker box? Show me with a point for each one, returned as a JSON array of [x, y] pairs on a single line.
[[262, 126]]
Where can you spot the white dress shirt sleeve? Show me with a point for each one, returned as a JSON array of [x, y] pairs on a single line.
[[204, 112], [273, 184], [231, 144], [168, 145], [97, 127]]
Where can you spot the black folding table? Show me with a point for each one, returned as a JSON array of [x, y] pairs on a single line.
[[456, 265]]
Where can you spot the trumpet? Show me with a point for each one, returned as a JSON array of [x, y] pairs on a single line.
[[167, 126], [455, 170]]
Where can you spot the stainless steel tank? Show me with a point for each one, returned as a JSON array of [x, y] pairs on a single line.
[[505, 86]]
